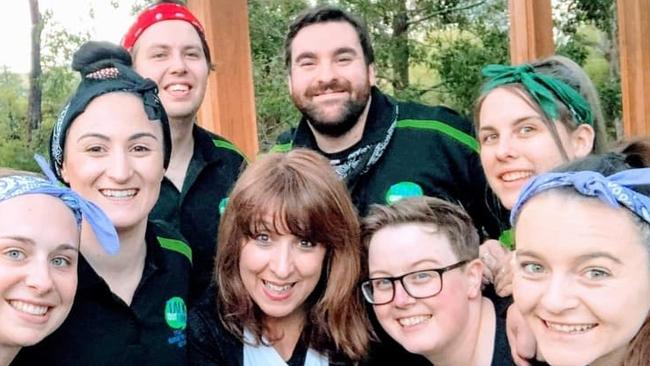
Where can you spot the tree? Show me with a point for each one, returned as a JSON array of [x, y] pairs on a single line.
[[34, 104]]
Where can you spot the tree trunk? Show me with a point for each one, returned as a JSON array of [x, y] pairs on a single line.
[[34, 114], [400, 53]]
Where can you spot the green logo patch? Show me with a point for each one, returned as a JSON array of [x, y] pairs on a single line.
[[176, 313], [403, 190]]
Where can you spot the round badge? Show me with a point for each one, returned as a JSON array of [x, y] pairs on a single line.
[[403, 190], [176, 313], [222, 206]]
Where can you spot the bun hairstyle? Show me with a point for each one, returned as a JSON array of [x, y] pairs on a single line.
[[105, 68]]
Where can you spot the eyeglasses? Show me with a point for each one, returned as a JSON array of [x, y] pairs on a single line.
[[417, 284]]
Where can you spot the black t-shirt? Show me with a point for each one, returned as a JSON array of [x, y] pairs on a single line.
[[102, 329], [195, 211]]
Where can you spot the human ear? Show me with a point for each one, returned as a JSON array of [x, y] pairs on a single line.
[[474, 275], [582, 140], [372, 78]]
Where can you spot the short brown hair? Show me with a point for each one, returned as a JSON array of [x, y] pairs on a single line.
[[306, 197], [446, 218]]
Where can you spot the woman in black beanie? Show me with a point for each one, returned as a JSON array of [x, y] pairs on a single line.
[[111, 144]]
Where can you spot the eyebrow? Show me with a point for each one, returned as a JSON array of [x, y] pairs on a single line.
[[338, 51], [26, 240], [579, 259], [106, 138], [514, 123], [414, 264]]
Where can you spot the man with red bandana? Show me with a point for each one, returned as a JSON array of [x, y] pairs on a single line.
[[167, 43]]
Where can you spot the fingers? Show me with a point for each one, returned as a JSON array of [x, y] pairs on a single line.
[[521, 339], [503, 278]]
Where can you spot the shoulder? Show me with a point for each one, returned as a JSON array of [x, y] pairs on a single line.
[[168, 238], [436, 120], [219, 144]]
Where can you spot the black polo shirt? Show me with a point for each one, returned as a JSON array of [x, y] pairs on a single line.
[[101, 329], [194, 211]]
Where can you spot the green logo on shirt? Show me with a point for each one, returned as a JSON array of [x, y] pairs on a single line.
[[222, 206], [402, 190], [176, 313]]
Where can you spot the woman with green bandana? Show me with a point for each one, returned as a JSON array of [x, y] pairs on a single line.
[[530, 119]]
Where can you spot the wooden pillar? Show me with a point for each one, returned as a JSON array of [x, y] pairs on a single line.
[[531, 30], [634, 44], [229, 105]]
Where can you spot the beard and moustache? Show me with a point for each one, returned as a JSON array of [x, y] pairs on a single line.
[[345, 119]]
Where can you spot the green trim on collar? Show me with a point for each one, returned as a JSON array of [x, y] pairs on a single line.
[[227, 145], [452, 132], [282, 148], [176, 246]]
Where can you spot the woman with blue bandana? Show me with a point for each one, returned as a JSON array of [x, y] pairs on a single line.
[[582, 277], [39, 250], [111, 144]]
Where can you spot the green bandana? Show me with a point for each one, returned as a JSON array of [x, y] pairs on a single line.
[[544, 89]]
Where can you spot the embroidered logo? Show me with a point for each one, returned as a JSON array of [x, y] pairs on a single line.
[[176, 313], [403, 190]]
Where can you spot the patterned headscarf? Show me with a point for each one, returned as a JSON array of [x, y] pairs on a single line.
[[544, 89], [159, 13], [17, 185], [105, 68]]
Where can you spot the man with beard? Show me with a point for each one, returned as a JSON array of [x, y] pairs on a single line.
[[168, 45], [384, 149]]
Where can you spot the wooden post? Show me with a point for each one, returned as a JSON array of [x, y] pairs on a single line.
[[229, 105], [531, 30], [634, 44]]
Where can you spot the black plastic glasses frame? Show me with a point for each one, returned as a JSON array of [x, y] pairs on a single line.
[[366, 286]]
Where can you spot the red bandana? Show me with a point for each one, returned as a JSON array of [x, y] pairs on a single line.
[[159, 13]]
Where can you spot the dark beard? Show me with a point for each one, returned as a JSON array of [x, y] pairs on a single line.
[[352, 110]]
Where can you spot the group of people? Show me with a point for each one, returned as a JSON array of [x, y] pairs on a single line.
[[376, 232]]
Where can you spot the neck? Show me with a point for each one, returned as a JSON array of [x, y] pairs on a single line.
[[474, 345], [7, 354], [285, 332], [122, 271], [182, 150], [329, 144]]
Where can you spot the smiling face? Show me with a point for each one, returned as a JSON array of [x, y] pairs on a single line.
[[582, 278], [280, 271], [423, 326], [516, 144], [39, 242], [114, 157], [171, 54], [329, 80]]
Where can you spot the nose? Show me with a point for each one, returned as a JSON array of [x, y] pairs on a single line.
[[120, 167], [39, 278], [177, 64], [282, 261], [326, 72], [558, 296], [401, 298], [506, 149]]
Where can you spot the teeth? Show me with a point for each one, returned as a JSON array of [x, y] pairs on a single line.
[[512, 176], [28, 308], [179, 87], [570, 328], [277, 288], [414, 320], [123, 193]]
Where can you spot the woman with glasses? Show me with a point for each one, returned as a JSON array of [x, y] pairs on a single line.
[[425, 283], [287, 271]]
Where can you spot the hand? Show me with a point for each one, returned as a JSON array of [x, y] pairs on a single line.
[[521, 338], [504, 275], [491, 253]]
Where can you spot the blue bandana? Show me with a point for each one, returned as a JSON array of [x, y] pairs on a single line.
[[17, 185], [612, 189]]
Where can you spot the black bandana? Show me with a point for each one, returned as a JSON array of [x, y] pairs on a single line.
[[105, 68]]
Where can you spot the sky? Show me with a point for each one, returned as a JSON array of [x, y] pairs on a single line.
[[109, 24]]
